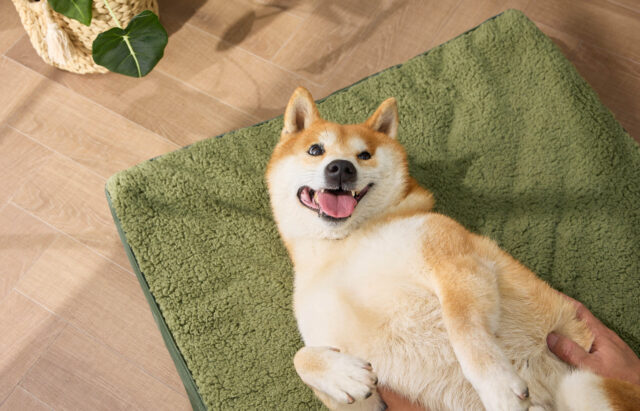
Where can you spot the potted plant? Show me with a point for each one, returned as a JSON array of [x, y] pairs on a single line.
[[86, 36]]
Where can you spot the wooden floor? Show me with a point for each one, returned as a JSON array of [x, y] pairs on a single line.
[[75, 329]]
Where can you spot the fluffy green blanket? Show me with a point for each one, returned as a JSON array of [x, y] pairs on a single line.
[[498, 125]]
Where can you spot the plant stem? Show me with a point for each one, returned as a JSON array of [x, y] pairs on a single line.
[[106, 3], [133, 54]]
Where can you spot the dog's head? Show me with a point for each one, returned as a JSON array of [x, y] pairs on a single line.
[[327, 179]]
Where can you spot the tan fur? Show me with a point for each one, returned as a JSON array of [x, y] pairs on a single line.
[[309, 363], [622, 395], [445, 316]]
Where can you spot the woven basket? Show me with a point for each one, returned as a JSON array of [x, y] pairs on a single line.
[[36, 17]]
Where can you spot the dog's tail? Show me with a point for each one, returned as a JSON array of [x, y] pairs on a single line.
[[584, 391]]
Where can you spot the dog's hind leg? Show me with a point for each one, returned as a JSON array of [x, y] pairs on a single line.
[[470, 301]]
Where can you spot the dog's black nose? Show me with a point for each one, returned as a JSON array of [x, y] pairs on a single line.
[[339, 172]]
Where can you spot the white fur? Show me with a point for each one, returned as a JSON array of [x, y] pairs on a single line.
[[345, 376], [322, 317], [582, 390], [327, 137], [356, 144], [498, 387]]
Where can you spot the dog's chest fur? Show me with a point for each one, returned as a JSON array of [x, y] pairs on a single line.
[[355, 286]]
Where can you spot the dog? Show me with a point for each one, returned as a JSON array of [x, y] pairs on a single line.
[[388, 291]]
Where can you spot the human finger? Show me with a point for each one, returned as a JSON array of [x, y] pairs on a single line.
[[567, 350]]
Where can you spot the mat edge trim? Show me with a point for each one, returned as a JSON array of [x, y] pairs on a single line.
[[183, 370]]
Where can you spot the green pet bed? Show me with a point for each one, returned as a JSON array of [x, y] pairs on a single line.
[[498, 125]]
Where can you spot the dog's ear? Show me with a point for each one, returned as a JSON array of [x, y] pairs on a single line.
[[301, 112], [385, 119]]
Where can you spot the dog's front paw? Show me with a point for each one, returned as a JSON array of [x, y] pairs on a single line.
[[345, 379], [505, 392]]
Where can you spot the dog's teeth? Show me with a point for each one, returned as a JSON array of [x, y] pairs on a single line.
[[315, 196], [353, 193]]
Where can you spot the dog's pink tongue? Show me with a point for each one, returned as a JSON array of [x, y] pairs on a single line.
[[336, 205]]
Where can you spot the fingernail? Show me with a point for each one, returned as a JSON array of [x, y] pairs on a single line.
[[552, 339]]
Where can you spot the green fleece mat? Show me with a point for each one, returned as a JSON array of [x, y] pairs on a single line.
[[498, 125]]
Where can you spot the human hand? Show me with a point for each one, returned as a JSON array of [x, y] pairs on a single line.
[[396, 402], [609, 356]]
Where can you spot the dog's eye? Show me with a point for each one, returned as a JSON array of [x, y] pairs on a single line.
[[316, 150], [365, 155]]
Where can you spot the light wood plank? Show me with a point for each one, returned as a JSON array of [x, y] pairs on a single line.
[[301, 8], [27, 331], [19, 157], [20, 399], [77, 373], [159, 103], [71, 198], [329, 36], [103, 299], [597, 22], [17, 89], [10, 26], [22, 240], [567, 43], [232, 75], [399, 31], [630, 4], [617, 82], [258, 28], [70, 124], [471, 13]]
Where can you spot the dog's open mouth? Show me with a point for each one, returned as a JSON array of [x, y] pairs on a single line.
[[332, 204]]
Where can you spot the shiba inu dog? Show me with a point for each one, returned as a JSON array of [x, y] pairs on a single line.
[[388, 291]]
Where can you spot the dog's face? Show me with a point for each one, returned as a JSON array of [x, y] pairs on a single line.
[[326, 179]]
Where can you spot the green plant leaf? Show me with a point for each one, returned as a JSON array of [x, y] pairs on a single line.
[[135, 50], [74, 9]]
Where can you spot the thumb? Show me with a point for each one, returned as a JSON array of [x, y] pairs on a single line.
[[567, 350]]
